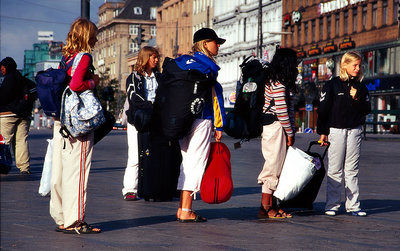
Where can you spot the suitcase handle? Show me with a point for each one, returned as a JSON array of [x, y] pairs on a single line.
[[318, 143]]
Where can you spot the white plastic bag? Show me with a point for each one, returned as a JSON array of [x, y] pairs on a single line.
[[297, 171], [45, 181]]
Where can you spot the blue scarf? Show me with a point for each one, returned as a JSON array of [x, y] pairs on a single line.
[[199, 62]]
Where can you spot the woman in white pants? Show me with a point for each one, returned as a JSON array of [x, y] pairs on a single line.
[[141, 90], [344, 103]]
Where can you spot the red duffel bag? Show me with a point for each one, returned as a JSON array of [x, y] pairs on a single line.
[[217, 185]]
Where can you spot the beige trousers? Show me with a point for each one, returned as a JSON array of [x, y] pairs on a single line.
[[273, 146], [70, 171], [15, 131]]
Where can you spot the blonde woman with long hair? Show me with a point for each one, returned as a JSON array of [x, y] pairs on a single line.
[[141, 88], [344, 103], [72, 156]]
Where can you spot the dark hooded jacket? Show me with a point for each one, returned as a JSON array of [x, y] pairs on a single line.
[[12, 88]]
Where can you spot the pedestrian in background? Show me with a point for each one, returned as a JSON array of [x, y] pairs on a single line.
[[141, 88], [14, 123], [195, 147], [344, 103], [278, 127], [72, 156]]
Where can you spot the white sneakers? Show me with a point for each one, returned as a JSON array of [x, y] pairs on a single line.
[[352, 213]]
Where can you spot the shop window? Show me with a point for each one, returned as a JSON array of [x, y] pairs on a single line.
[[382, 62], [397, 60], [368, 63]]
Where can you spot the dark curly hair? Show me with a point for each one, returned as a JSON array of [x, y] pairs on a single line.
[[283, 68]]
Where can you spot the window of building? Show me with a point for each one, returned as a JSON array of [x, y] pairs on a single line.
[[321, 29], [354, 20], [329, 28], [153, 12], [396, 9], [133, 29], [306, 33], [153, 30], [374, 14], [385, 13], [133, 47], [312, 31], [137, 10], [114, 51], [337, 19], [364, 17], [116, 12], [346, 21]]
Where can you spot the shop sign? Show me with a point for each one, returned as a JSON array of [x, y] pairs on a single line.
[[286, 20], [330, 47], [301, 54], [347, 44], [335, 5], [314, 51], [296, 17]]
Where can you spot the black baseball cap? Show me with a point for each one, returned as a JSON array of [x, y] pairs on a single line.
[[207, 33]]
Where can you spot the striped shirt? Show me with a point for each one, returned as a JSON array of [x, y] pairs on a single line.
[[284, 113]]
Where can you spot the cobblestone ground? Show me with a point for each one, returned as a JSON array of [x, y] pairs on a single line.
[[140, 225]]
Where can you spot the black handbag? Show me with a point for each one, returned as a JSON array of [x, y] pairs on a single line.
[[140, 117], [101, 131]]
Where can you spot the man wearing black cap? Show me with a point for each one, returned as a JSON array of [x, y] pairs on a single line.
[[13, 123]]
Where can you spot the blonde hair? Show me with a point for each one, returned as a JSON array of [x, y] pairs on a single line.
[[347, 58], [81, 31], [199, 47], [143, 59]]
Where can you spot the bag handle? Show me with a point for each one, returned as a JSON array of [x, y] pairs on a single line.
[[319, 143]]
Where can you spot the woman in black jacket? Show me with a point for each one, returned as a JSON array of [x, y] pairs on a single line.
[[344, 103], [141, 88]]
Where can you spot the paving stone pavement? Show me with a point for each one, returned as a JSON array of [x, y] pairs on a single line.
[[140, 225]]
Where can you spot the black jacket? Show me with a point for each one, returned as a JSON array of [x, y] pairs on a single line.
[[140, 109], [12, 88], [338, 109]]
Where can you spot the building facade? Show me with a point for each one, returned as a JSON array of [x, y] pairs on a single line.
[[237, 22], [174, 25], [45, 53], [121, 26], [322, 31], [203, 14]]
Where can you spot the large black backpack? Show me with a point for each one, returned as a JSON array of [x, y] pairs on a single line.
[[245, 121], [180, 98]]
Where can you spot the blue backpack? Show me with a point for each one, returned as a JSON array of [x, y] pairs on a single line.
[[50, 85]]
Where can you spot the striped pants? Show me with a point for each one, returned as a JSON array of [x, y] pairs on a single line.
[[70, 171]]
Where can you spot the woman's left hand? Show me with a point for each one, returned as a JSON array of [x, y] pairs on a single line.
[[218, 135]]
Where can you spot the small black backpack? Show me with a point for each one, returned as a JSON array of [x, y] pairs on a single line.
[[245, 120]]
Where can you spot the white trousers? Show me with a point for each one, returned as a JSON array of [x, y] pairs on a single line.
[[195, 149], [344, 157], [132, 166], [273, 146], [71, 162]]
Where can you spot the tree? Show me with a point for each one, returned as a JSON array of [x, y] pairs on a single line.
[[110, 94]]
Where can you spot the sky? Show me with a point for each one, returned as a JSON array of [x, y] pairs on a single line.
[[20, 21]]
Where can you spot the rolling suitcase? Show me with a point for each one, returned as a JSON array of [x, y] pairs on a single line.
[[159, 165], [307, 196]]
